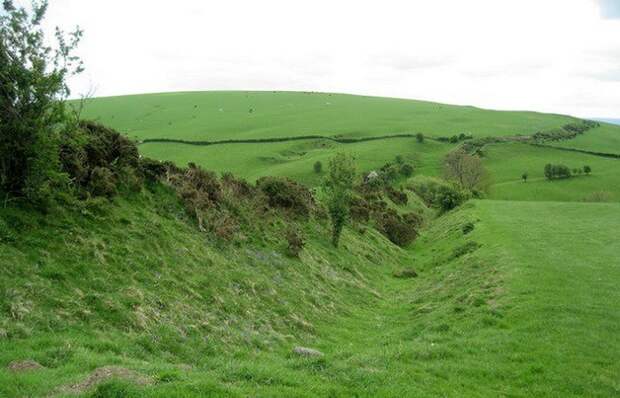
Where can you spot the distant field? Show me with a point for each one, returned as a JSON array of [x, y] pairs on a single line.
[[295, 159], [605, 139], [238, 114], [507, 162], [212, 116]]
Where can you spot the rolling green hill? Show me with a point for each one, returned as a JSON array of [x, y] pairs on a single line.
[[218, 115], [183, 287], [214, 116]]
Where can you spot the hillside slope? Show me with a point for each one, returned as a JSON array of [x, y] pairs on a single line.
[[213, 116], [515, 307], [217, 115]]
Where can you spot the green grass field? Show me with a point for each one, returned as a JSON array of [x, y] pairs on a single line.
[[211, 116], [214, 115], [605, 139], [296, 158], [507, 162]]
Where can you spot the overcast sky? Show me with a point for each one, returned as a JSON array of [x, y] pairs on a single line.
[[548, 55]]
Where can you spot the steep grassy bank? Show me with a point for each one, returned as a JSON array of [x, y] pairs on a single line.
[[503, 305], [135, 284]]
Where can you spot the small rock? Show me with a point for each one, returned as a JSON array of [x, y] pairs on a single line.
[[307, 352], [24, 366]]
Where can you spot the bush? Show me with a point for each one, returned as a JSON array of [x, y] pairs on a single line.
[[396, 229], [295, 242], [318, 167], [448, 198], [437, 193], [398, 197], [414, 219], [359, 209], [419, 137], [102, 182], [388, 173], [587, 169], [287, 194], [237, 187], [406, 169], [153, 170]]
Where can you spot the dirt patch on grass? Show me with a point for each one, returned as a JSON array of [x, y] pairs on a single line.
[[103, 374], [24, 366]]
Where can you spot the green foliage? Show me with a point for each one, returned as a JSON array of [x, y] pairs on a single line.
[[287, 194], [396, 228], [524, 177], [419, 137], [587, 169], [388, 173], [295, 241], [437, 193], [318, 167], [339, 185], [556, 171], [396, 196], [102, 182], [406, 170], [32, 110]]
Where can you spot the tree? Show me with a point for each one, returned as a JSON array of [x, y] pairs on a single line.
[[556, 171], [406, 169], [32, 92], [318, 167], [419, 137], [339, 185], [465, 170], [587, 169], [549, 171], [524, 177]]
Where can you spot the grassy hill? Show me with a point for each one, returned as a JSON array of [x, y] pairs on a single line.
[[515, 307], [213, 116], [181, 285], [217, 115], [507, 162]]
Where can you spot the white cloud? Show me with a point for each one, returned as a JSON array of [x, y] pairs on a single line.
[[551, 55]]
